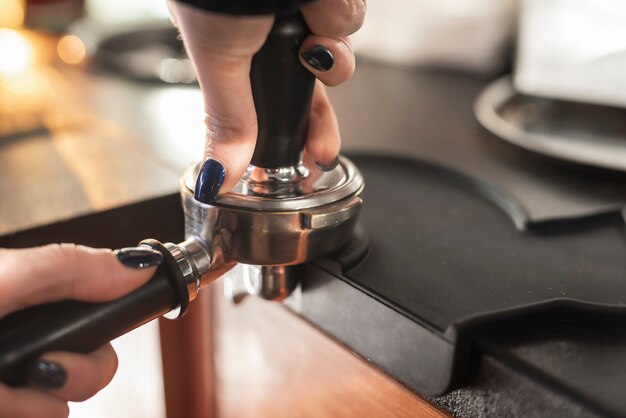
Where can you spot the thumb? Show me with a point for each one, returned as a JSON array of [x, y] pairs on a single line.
[[221, 47], [55, 272]]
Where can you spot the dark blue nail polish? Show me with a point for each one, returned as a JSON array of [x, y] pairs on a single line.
[[139, 257], [319, 58], [47, 374], [209, 181], [328, 167]]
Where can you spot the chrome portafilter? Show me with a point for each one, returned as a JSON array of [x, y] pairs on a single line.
[[274, 219], [281, 214]]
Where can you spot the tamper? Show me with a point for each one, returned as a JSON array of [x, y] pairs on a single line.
[[280, 214]]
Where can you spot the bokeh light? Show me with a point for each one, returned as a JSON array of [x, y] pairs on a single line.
[[71, 49], [14, 45], [11, 13]]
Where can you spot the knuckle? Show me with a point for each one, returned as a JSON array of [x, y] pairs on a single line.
[[336, 17], [225, 129], [61, 252], [362, 6], [60, 256], [351, 17]]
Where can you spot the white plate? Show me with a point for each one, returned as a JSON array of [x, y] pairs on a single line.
[[582, 133]]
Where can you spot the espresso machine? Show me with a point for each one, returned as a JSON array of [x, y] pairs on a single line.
[[281, 214]]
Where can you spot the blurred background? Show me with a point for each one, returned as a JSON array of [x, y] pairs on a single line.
[[556, 49], [62, 62]]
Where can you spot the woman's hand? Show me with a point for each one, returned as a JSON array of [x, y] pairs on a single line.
[[55, 272], [221, 47]]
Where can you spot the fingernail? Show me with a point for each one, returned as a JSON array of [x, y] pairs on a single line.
[[328, 167], [209, 181], [319, 58], [46, 374], [139, 257]]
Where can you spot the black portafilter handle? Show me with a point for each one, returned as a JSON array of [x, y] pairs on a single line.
[[282, 89], [83, 326]]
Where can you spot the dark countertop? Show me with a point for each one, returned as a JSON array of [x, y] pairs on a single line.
[[111, 179]]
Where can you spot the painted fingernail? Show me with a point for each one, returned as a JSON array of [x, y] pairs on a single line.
[[327, 167], [209, 181], [47, 374], [319, 58], [139, 257]]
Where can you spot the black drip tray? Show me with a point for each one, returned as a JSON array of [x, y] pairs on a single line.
[[444, 250], [452, 271]]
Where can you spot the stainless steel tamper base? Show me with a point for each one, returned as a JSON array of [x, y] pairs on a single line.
[[271, 220]]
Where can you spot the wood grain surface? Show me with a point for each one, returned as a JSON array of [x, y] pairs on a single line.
[[271, 363], [187, 355]]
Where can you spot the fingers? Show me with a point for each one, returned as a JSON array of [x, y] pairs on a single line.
[[331, 60], [328, 55], [64, 271], [323, 141], [221, 48], [86, 374], [30, 403], [57, 378], [334, 18], [328, 52]]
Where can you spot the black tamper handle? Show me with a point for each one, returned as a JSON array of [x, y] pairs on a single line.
[[82, 326], [282, 89]]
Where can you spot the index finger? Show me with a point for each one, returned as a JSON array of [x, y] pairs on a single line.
[[63, 271], [221, 48]]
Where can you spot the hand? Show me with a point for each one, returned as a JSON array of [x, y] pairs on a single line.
[[55, 272], [221, 47]]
